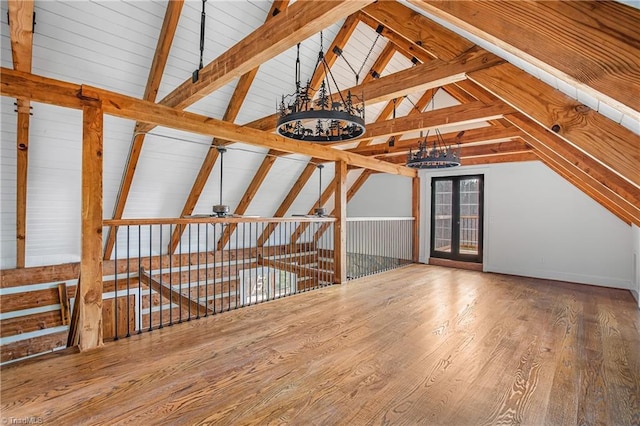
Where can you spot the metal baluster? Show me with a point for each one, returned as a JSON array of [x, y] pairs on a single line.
[[228, 271], [128, 279], [206, 270], [139, 280], [180, 275], [150, 277], [161, 286], [115, 287], [188, 272], [216, 294], [170, 253], [241, 293], [261, 265], [237, 271], [198, 270]]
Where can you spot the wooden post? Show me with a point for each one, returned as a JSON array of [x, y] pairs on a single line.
[[340, 227], [89, 294], [415, 212], [21, 184], [20, 16]]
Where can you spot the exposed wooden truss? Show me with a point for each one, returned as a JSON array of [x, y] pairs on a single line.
[[338, 43], [167, 32], [233, 109], [595, 44], [488, 89], [601, 138], [294, 24], [21, 30], [55, 92]]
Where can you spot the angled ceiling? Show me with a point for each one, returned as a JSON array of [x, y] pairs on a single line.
[[553, 81]]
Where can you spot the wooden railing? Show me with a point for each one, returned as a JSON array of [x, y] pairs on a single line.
[[146, 286], [203, 277]]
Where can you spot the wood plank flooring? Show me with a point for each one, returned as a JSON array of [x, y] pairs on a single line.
[[418, 345]]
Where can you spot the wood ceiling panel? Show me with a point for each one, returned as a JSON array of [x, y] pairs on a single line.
[[596, 135], [435, 39], [594, 43]]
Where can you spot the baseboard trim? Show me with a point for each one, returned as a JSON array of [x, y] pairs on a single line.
[[472, 266]]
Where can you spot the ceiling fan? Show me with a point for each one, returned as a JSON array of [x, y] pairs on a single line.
[[318, 211], [219, 210]]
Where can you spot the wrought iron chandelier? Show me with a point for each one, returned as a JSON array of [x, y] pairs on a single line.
[[437, 156], [319, 115]]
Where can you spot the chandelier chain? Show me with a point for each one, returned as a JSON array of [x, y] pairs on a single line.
[[314, 115], [366, 58]]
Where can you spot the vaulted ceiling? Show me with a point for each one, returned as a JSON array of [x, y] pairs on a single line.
[[556, 82]]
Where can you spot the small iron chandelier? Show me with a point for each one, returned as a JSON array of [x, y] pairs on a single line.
[[313, 115], [439, 155]]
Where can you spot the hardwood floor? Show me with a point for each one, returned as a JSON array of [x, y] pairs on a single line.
[[419, 345]]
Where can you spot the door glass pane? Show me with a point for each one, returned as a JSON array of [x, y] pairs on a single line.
[[443, 215], [469, 215]]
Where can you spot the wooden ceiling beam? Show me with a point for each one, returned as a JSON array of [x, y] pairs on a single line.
[[424, 100], [440, 118], [353, 190], [294, 24], [250, 193], [610, 187], [496, 148], [503, 157], [40, 89], [595, 45], [436, 40], [288, 201], [483, 134], [381, 62], [432, 74], [246, 80], [14, 82], [194, 195], [601, 138], [231, 113], [160, 57], [435, 73], [21, 32], [339, 41], [378, 67], [508, 157], [473, 151], [324, 197], [404, 45]]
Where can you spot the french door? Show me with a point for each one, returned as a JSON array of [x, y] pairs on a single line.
[[456, 217]]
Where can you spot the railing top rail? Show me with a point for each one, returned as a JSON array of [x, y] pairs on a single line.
[[213, 220], [380, 219]]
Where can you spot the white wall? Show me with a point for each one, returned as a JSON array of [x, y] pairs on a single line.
[[568, 235], [382, 195], [539, 225]]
